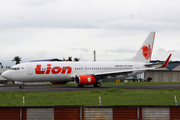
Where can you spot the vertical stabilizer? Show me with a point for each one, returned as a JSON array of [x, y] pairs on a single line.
[[145, 52]]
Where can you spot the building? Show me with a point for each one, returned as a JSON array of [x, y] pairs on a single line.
[[171, 73]]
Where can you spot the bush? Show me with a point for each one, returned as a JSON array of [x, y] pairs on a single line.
[[149, 79]]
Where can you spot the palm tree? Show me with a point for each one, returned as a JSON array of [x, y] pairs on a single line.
[[1, 65], [76, 59], [70, 58], [17, 59]]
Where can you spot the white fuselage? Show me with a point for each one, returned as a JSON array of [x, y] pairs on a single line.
[[65, 71]]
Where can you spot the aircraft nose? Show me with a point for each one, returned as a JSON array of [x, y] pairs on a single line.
[[6, 74]]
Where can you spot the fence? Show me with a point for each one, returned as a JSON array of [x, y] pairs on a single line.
[[91, 113]]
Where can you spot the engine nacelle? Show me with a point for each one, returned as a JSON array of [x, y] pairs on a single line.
[[85, 80], [58, 82]]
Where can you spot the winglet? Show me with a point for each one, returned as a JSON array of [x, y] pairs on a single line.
[[166, 62]]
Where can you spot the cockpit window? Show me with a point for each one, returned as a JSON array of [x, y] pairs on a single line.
[[15, 68]]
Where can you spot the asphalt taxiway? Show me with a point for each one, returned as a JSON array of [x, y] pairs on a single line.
[[66, 88]]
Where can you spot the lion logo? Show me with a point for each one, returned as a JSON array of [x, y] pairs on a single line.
[[89, 79], [146, 51]]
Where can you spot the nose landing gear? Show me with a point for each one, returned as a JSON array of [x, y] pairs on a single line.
[[21, 86]]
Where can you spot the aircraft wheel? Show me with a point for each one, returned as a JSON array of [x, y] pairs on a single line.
[[21, 86], [80, 85], [97, 84]]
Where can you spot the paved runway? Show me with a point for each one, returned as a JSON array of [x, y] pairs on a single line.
[[66, 88]]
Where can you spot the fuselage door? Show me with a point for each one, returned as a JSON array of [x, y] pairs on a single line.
[[29, 69]]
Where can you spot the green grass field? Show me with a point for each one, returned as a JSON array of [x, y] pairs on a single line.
[[111, 96], [128, 83], [139, 83]]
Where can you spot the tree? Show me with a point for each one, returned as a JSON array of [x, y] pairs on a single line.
[[76, 59], [69, 58], [149, 79], [1, 65], [17, 59]]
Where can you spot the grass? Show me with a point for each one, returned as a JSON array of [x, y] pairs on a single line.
[[123, 83], [140, 83], [111, 96]]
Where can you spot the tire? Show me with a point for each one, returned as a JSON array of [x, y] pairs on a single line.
[[21, 86], [97, 84], [80, 85]]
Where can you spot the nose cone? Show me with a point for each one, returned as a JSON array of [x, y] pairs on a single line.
[[6, 74]]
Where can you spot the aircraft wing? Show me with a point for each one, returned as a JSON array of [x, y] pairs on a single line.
[[126, 72]]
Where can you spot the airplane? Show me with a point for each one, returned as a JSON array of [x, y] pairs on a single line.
[[84, 73]]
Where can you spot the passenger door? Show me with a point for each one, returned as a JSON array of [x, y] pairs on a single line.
[[29, 69]]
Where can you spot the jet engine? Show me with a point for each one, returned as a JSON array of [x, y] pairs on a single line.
[[81, 80]]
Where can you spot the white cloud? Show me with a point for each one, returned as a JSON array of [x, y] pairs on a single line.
[[122, 15], [120, 50], [80, 49], [61, 28]]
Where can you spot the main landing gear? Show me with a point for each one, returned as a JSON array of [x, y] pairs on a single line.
[[97, 84], [80, 85]]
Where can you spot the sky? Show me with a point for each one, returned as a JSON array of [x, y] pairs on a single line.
[[116, 29]]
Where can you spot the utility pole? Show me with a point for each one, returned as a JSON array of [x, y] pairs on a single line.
[[94, 55]]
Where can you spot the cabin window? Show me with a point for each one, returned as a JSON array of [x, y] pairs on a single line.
[[15, 68]]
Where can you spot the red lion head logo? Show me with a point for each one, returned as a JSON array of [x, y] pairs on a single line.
[[146, 51]]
